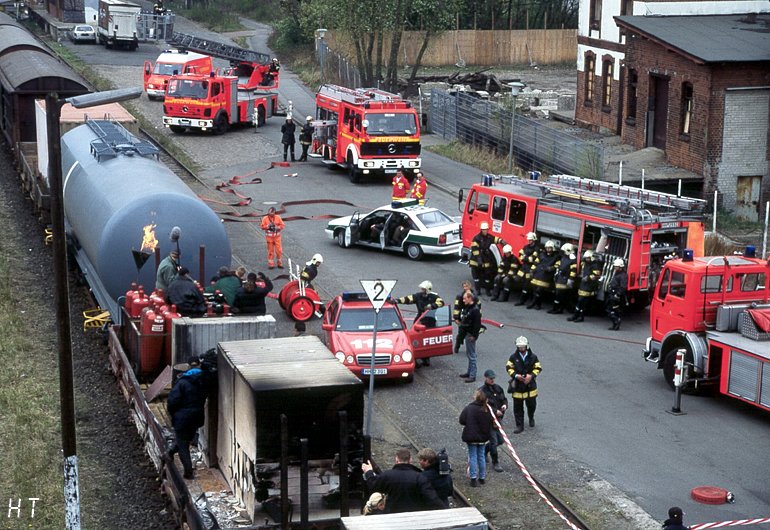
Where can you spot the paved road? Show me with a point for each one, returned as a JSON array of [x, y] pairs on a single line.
[[601, 408]]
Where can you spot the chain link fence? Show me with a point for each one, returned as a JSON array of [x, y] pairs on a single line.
[[335, 68], [536, 147]]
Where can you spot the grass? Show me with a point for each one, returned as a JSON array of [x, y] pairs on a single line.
[[218, 20], [487, 161]]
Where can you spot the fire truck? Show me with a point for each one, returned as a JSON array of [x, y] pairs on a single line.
[[366, 131], [245, 93], [716, 309], [173, 62], [613, 221]]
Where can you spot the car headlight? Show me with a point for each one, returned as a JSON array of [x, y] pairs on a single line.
[[414, 163], [407, 356], [150, 85], [368, 164], [349, 359], [340, 356], [396, 358]]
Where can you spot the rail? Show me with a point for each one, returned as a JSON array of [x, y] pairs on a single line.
[[217, 49]]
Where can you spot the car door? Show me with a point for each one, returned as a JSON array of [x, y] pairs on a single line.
[[353, 230], [386, 230], [431, 333], [147, 72]]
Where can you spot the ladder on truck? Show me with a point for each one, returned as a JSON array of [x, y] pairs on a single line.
[[217, 49], [357, 96]]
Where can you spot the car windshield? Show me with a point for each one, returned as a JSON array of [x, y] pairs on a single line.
[[188, 88], [363, 320], [385, 124], [84, 28], [167, 69], [434, 218]]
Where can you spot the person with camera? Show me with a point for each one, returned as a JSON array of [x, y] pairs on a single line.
[[272, 226], [406, 488], [438, 475]]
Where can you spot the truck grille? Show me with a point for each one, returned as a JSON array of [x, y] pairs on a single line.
[[379, 359], [385, 149]]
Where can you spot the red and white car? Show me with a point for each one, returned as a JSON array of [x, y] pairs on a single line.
[[348, 326]]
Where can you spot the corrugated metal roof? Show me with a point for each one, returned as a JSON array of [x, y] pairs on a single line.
[[32, 70], [708, 38], [16, 38]]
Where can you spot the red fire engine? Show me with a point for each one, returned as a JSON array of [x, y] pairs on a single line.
[[366, 131], [717, 309], [244, 94], [613, 221]]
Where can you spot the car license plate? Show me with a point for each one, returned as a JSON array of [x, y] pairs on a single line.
[[377, 371], [390, 171]]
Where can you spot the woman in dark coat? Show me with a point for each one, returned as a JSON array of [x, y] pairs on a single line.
[[477, 422], [185, 404], [250, 299]]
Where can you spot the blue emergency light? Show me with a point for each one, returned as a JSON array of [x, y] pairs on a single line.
[[404, 203], [750, 252], [354, 296], [687, 254]]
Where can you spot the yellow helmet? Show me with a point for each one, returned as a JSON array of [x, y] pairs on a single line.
[[484, 226]]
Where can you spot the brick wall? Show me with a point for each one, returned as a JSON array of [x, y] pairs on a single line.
[[595, 115]]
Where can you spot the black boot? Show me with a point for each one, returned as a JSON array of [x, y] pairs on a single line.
[[523, 299], [504, 297], [578, 317]]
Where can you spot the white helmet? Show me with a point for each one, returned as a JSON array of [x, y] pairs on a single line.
[[550, 244], [531, 236], [317, 258], [522, 341], [426, 285], [588, 254], [566, 248], [507, 249], [484, 226], [618, 262], [309, 118]]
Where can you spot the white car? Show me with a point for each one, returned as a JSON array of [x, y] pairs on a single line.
[[402, 227], [83, 33]]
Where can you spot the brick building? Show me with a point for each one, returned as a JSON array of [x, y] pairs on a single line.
[[697, 87]]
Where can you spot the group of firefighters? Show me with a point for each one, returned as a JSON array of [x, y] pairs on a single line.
[[403, 190], [543, 271]]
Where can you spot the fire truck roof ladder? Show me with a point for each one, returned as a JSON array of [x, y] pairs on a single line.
[[217, 49], [359, 95]]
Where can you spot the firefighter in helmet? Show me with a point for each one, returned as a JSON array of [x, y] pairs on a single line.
[[527, 256], [523, 366], [311, 270], [482, 262], [306, 137], [566, 272], [542, 274], [419, 188], [506, 275], [425, 300], [615, 299], [590, 272]]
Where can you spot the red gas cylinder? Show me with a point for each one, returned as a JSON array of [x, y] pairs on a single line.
[[130, 294], [150, 342], [168, 316], [157, 299], [140, 302]]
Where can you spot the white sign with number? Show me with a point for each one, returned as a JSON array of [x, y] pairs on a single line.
[[378, 291]]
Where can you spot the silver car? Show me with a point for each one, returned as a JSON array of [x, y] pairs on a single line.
[[83, 33]]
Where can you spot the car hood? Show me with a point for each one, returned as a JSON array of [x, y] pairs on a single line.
[[356, 343], [340, 221]]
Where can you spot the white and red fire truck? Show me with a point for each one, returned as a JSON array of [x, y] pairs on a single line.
[[245, 93], [717, 309], [614, 221], [173, 62], [366, 131]]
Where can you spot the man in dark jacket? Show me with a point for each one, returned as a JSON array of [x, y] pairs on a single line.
[[186, 403], [523, 366], [477, 425], [674, 521], [227, 284], [250, 299], [590, 273], [428, 460], [407, 489], [287, 137], [482, 260], [542, 274], [184, 293], [616, 293], [499, 403], [506, 275], [306, 138], [471, 325], [457, 312]]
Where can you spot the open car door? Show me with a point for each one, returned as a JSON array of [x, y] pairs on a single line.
[[386, 230], [431, 333], [353, 230], [147, 72]]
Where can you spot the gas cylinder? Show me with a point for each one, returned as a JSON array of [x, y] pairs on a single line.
[[130, 297], [168, 316], [157, 299], [150, 342], [140, 302]]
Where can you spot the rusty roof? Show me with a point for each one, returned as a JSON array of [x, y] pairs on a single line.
[[36, 71]]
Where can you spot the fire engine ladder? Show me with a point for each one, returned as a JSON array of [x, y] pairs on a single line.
[[357, 96], [644, 256], [217, 49]]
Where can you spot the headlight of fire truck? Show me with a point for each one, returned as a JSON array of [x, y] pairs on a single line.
[[150, 85], [368, 164], [407, 356], [413, 163], [340, 356]]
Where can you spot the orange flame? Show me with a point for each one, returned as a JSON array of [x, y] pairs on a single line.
[[149, 241]]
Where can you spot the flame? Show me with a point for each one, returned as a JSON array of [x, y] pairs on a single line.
[[149, 241]]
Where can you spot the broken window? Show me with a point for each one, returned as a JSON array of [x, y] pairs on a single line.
[[686, 108]]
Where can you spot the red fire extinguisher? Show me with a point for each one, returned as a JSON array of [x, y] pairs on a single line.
[[130, 294], [157, 299], [140, 302], [168, 316], [150, 342]]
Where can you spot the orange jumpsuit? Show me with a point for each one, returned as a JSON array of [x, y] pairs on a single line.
[[272, 225], [400, 186], [419, 190]]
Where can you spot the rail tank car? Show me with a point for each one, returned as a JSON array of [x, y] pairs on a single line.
[[120, 201]]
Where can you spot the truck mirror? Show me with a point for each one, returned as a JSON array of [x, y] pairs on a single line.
[[460, 195], [147, 69], [419, 327]]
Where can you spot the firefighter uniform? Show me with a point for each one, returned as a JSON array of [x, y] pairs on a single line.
[[272, 226], [566, 272], [506, 275], [400, 187], [542, 274], [527, 256], [590, 272], [419, 188], [424, 300], [523, 366], [457, 315], [616, 300], [311, 270], [482, 260]]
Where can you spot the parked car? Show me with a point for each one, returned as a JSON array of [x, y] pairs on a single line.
[[83, 33], [402, 226]]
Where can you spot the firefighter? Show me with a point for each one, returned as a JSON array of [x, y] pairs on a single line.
[[590, 272], [311, 270], [306, 138], [419, 188], [615, 300], [273, 225], [400, 186], [425, 300], [287, 137], [523, 366], [482, 260], [527, 256], [506, 275], [566, 272], [457, 310], [542, 274]]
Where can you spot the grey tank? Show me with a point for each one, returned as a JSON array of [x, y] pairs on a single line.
[[114, 186]]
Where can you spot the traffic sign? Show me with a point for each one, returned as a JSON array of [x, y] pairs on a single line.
[[378, 291]]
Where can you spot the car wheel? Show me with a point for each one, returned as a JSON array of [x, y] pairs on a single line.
[[413, 252], [341, 238]]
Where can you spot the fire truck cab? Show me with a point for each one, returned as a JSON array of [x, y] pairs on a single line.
[[173, 62], [366, 131], [702, 305], [613, 221]]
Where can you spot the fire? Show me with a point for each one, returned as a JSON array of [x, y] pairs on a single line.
[[149, 241]]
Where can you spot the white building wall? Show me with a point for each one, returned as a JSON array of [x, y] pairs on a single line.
[[725, 7]]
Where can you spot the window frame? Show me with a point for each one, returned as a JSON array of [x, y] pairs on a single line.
[[608, 68], [589, 67], [687, 99]]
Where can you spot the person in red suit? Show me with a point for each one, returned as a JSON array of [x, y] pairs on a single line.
[[400, 187]]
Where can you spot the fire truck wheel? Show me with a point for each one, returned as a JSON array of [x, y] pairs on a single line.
[[413, 252], [341, 238], [260, 116], [220, 124], [178, 129], [669, 360], [353, 173]]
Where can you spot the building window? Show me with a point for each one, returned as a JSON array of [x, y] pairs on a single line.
[[626, 8], [607, 66], [595, 14], [633, 80], [686, 109], [590, 66]]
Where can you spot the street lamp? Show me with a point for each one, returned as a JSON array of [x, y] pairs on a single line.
[[516, 87], [321, 32], [66, 387]]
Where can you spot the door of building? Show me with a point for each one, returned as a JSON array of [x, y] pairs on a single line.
[[657, 112], [747, 197]]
